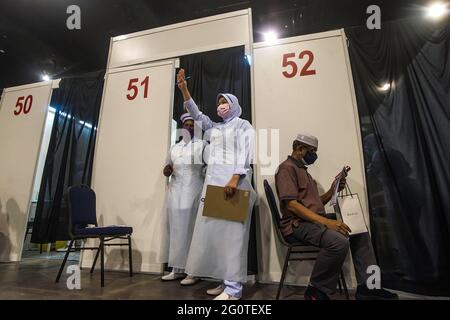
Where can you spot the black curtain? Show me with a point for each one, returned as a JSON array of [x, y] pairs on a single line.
[[402, 81], [70, 153], [213, 72]]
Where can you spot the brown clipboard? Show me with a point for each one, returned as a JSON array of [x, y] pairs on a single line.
[[234, 209]]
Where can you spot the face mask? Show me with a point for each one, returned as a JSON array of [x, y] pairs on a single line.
[[223, 110], [310, 158], [191, 131]]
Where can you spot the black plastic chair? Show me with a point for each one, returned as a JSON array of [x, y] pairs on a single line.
[[293, 248], [82, 213]]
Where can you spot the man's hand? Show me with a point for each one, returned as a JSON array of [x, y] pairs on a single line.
[[338, 226], [342, 183], [168, 170], [341, 187], [231, 186], [181, 82]]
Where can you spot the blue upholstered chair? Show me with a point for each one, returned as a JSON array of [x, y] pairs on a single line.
[[83, 225]]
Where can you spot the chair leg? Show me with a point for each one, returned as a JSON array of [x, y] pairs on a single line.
[[130, 256], [283, 274], [102, 260], [344, 284], [64, 261], [95, 260]]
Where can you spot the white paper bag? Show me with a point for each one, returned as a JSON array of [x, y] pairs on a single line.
[[352, 214]]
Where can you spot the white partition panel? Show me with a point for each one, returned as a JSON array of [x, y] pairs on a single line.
[[23, 111], [304, 84], [133, 138], [211, 33]]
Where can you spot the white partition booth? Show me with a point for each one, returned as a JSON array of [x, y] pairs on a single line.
[[23, 111], [304, 84], [134, 129]]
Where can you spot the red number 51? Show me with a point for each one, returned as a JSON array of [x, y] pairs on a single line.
[[134, 88], [294, 69]]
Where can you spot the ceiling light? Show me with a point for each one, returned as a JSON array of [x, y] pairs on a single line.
[[437, 10], [270, 37], [385, 87]]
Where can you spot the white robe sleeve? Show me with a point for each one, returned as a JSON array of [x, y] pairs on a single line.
[[195, 113], [245, 146], [169, 157]]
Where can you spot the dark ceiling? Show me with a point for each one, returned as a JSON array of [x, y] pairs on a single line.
[[34, 37]]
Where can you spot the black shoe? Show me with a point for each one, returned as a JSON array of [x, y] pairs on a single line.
[[312, 293], [363, 293]]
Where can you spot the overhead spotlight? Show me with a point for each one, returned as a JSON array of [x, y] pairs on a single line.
[[437, 10], [270, 37], [385, 87], [2, 51], [45, 77]]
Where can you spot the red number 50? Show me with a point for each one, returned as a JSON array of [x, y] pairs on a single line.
[[23, 106], [293, 66]]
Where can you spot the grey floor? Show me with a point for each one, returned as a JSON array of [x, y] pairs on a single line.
[[34, 278]]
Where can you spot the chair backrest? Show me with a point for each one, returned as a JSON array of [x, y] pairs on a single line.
[[81, 206], [276, 218]]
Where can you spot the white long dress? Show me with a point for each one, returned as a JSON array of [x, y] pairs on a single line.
[[219, 247], [183, 197]]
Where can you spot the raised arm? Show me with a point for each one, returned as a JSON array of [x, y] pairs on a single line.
[[190, 105]]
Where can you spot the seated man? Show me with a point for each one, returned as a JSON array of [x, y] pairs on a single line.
[[304, 220]]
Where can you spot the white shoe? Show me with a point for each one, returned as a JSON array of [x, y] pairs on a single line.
[[172, 276], [189, 281], [216, 291], [225, 296]]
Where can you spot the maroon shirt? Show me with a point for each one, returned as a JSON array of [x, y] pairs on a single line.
[[293, 182]]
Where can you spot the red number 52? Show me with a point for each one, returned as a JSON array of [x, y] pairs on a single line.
[[293, 66]]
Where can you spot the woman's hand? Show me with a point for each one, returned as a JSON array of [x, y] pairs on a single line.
[[231, 186], [181, 82], [168, 170], [182, 85]]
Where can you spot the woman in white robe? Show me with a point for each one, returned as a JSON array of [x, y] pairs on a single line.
[[185, 167], [219, 247]]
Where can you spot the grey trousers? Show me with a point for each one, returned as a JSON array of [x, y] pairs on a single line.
[[333, 251]]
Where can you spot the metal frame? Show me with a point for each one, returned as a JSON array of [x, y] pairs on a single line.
[[341, 279], [100, 249]]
